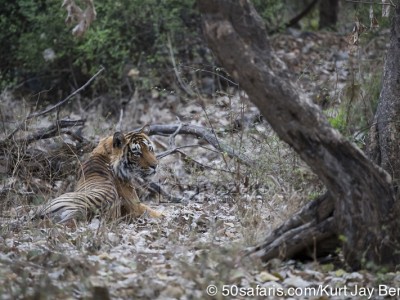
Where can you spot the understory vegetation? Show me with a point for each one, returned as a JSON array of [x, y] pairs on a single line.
[[158, 70]]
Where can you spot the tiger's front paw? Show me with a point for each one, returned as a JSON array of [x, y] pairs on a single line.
[[151, 212], [156, 214]]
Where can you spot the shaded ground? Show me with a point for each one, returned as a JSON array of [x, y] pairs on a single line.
[[225, 206]]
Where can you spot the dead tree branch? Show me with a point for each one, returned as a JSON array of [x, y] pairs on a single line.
[[46, 133], [201, 133], [293, 236], [174, 150]]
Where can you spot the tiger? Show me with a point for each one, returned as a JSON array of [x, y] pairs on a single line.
[[106, 181]]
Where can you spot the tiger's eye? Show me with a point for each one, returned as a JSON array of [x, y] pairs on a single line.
[[136, 154]]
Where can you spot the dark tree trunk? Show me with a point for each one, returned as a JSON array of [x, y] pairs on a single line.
[[364, 204], [328, 13], [384, 147]]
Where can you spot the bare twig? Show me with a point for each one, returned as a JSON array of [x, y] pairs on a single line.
[[184, 86], [118, 127], [172, 136], [228, 80], [174, 150], [201, 133], [371, 2], [213, 131], [59, 104], [177, 150], [202, 165], [46, 111]]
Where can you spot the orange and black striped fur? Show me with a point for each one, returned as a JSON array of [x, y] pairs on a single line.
[[105, 186]]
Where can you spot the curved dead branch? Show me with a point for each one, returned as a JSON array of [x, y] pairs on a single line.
[[201, 133]]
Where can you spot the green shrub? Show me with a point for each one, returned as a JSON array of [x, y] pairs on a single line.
[[271, 11], [339, 121], [125, 31]]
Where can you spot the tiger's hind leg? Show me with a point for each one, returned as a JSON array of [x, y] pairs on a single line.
[[69, 206]]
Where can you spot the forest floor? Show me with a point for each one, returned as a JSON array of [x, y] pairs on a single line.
[[195, 252]]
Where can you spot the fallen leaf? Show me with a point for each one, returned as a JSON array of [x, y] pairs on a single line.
[[265, 276]]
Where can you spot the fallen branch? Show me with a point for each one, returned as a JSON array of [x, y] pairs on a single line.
[[45, 133], [201, 133], [313, 223], [301, 240], [173, 129]]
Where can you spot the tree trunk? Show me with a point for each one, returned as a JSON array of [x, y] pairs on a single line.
[[384, 146], [362, 193], [328, 13]]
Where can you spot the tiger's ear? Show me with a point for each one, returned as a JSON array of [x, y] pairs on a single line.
[[119, 140]]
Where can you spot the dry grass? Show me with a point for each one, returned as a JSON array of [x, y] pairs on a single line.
[[226, 207]]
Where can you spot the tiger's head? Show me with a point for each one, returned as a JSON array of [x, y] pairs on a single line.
[[133, 156]]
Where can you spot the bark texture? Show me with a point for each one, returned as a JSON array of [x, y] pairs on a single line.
[[384, 147], [312, 226], [362, 193]]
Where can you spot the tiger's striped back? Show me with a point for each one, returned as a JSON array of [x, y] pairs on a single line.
[[95, 194]]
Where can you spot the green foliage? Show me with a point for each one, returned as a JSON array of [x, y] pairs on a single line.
[[276, 13], [339, 121], [271, 11], [27, 29], [373, 89], [125, 31], [358, 106]]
